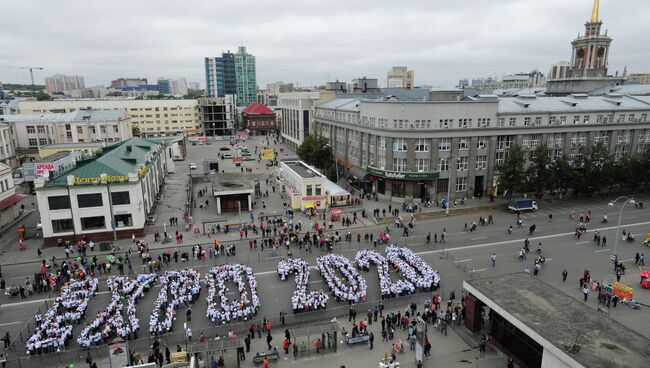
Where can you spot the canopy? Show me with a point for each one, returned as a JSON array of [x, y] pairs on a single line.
[[335, 190], [336, 211], [310, 205], [645, 274]]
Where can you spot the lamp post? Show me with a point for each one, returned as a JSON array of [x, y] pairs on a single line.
[[452, 158], [628, 200]]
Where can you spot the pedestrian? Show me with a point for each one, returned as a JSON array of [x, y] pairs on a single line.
[[269, 338], [89, 360], [564, 275], [188, 314], [550, 217], [494, 259], [585, 291], [482, 344], [604, 241], [371, 340], [642, 260]]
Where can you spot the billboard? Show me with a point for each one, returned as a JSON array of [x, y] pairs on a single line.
[[268, 154]]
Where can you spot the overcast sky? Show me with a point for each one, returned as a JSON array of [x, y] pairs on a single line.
[[307, 41]]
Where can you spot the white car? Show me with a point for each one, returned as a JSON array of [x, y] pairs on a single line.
[[192, 166], [227, 155]]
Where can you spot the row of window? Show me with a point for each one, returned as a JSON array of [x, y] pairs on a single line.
[[422, 164], [88, 200], [314, 190], [422, 144], [577, 119], [91, 223]]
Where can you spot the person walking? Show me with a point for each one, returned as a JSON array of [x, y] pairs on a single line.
[[371, 340], [482, 344], [642, 260], [604, 242], [564, 275], [269, 338], [494, 259], [585, 291], [636, 258]]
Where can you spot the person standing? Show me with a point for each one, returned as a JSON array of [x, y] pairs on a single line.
[[494, 259], [269, 338], [247, 342], [585, 291], [636, 258], [371, 340], [564, 275]]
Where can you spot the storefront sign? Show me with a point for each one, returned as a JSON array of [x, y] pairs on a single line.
[[143, 171], [402, 175], [97, 179], [268, 154], [623, 291], [44, 169]]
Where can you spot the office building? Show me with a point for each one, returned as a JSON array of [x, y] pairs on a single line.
[[412, 150], [217, 115], [400, 77], [589, 60], [363, 85], [246, 77], [152, 117], [60, 83], [220, 75], [296, 112], [640, 78], [559, 70], [128, 82], [107, 197], [259, 119]]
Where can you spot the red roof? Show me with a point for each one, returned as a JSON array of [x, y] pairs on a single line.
[[10, 201], [257, 108]]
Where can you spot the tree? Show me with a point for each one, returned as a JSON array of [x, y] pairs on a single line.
[[193, 94], [315, 150], [594, 169], [135, 130], [511, 171], [42, 96], [539, 172], [562, 175]]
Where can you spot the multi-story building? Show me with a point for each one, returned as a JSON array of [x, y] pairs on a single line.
[[60, 83], [413, 150], [296, 112], [7, 144], [641, 78], [400, 77], [128, 82], [559, 70], [9, 199], [259, 119], [515, 81], [107, 197], [217, 115], [364, 85], [152, 117], [33, 131], [246, 77], [172, 87], [220, 75]]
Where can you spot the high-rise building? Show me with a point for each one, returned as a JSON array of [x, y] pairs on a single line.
[[128, 82], [246, 77], [559, 70], [172, 87], [400, 77], [60, 83], [220, 75]]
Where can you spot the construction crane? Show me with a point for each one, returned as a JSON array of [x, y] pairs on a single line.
[[31, 73]]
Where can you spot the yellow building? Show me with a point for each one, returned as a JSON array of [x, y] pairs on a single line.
[[88, 148], [153, 117]]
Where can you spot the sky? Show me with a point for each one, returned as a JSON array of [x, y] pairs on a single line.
[[309, 42]]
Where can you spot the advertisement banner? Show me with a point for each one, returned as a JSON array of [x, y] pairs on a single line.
[[44, 169], [268, 154], [623, 291]]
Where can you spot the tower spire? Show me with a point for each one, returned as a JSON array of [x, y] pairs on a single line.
[[594, 11]]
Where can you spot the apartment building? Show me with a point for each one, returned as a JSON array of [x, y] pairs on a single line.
[[407, 150], [152, 117]]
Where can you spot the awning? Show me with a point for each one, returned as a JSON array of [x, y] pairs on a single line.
[[335, 190], [11, 200], [645, 274]]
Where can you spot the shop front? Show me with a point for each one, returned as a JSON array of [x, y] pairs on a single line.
[[406, 185]]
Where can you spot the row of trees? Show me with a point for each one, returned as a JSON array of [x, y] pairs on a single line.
[[316, 151], [594, 170]]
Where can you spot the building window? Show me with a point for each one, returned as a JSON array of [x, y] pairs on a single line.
[[399, 164], [93, 223], [463, 144], [125, 220], [527, 121], [58, 202], [40, 129], [80, 130], [118, 198], [116, 129], [382, 143], [500, 157], [562, 120], [644, 117], [631, 118], [538, 120], [422, 145], [443, 164], [318, 189], [464, 123], [33, 142], [62, 226], [461, 184], [444, 144], [461, 164], [381, 162], [444, 123], [552, 120], [399, 145], [481, 143], [501, 122], [102, 129], [30, 129], [422, 164], [512, 122], [91, 129], [585, 119], [309, 190], [42, 141], [90, 200], [484, 122], [481, 162]]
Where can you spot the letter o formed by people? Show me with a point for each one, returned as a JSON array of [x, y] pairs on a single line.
[[183, 287], [301, 300], [244, 308], [413, 268], [355, 290], [388, 288]]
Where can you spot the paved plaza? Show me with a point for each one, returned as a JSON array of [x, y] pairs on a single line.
[[464, 255]]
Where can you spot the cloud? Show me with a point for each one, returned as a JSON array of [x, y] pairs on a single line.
[[308, 41]]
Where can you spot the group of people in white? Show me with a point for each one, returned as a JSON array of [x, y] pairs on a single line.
[[388, 287], [111, 321], [301, 300], [184, 287], [353, 289], [54, 327], [412, 267], [244, 308]]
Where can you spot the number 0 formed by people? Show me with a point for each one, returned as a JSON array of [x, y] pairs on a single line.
[[301, 300], [242, 309], [365, 257], [353, 289], [412, 267]]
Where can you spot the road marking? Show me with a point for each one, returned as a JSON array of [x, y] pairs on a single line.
[[522, 239], [481, 270], [629, 218], [463, 260], [584, 242], [316, 282], [480, 237], [11, 323], [627, 260], [548, 259], [602, 250]]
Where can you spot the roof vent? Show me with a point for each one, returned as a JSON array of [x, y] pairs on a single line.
[[128, 148], [579, 95], [528, 97], [613, 95]]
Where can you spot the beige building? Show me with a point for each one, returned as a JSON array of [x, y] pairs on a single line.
[[400, 77], [153, 117], [642, 78]]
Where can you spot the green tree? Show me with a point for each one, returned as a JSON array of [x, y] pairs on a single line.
[[594, 169], [135, 130], [315, 150], [193, 94], [42, 96], [539, 172], [511, 172], [562, 175]]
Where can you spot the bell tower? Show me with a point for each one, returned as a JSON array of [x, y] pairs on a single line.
[[590, 51]]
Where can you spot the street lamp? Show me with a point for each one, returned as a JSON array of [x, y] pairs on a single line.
[[628, 200], [452, 158]]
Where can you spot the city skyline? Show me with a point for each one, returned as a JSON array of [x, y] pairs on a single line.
[[309, 44]]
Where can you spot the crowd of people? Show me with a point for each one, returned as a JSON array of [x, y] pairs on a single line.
[[111, 321], [301, 300], [184, 287], [413, 268], [354, 290], [54, 328], [244, 308], [388, 288]]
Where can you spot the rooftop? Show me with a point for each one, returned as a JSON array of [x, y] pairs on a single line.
[[303, 170], [257, 108], [79, 115], [53, 157], [75, 145], [557, 317], [573, 103], [230, 183]]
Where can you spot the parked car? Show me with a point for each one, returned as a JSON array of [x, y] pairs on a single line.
[[224, 148], [192, 166]]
